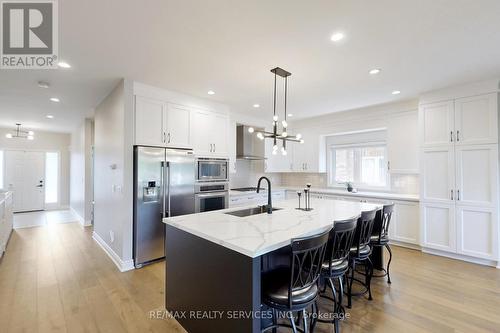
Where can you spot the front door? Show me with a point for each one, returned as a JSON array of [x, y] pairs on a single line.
[[25, 177]]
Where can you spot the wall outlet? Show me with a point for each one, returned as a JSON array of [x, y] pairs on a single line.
[[116, 188], [111, 236]]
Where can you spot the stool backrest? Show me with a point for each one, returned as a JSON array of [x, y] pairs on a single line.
[[340, 242], [386, 220], [364, 229], [308, 254]]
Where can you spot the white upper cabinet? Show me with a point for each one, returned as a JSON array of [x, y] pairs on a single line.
[[219, 134], [231, 146], [438, 175], [476, 120], [149, 121], [163, 124], [305, 155], [209, 133], [437, 123], [477, 175], [176, 126], [402, 143], [278, 162]]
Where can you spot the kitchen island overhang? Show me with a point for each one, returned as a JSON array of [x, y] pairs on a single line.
[[214, 260]]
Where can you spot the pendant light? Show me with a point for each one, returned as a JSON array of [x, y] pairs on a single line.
[[284, 136]]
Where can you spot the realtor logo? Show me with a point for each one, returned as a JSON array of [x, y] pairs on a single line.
[[29, 34]]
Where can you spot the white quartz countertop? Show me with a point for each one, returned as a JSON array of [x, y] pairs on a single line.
[[256, 235], [364, 194]]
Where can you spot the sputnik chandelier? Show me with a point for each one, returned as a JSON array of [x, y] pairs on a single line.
[[19, 133], [275, 135]]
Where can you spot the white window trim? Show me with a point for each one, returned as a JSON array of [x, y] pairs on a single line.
[[330, 163]]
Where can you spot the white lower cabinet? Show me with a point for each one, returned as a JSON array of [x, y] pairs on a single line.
[[438, 226], [6, 221], [461, 229], [405, 223], [476, 231]]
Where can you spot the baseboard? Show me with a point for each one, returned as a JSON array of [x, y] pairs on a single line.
[[80, 219], [406, 245], [484, 262], [122, 265]]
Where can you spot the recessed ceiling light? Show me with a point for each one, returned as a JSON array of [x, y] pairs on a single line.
[[290, 115], [256, 105], [63, 64], [338, 36], [43, 84], [211, 92], [396, 92], [55, 99], [50, 116], [374, 71]]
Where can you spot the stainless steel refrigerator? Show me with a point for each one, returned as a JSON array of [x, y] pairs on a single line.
[[163, 187]]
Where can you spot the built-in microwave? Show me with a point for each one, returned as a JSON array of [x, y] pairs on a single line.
[[211, 169]]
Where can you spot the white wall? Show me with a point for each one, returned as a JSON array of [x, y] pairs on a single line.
[[45, 141], [368, 118], [113, 173], [81, 168]]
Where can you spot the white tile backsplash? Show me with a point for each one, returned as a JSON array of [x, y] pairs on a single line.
[[248, 173], [400, 183]]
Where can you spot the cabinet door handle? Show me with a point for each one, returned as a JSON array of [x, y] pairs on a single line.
[[388, 165], [458, 136], [169, 137], [458, 195], [451, 136], [164, 138], [451, 198]]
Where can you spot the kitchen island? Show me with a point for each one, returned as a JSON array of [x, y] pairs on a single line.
[[214, 260]]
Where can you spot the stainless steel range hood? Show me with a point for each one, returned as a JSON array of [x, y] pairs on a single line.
[[248, 146]]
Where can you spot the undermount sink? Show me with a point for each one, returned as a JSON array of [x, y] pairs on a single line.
[[250, 211]]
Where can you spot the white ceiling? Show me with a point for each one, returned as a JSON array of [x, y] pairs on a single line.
[[229, 46]]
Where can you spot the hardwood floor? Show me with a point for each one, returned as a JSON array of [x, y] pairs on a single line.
[[55, 278]]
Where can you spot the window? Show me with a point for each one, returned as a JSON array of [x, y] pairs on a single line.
[[363, 165], [1, 170], [51, 177]]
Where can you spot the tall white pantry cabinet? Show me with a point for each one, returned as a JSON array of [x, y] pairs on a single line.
[[459, 177]]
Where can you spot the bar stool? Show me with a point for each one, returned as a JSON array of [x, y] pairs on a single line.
[[294, 288], [381, 238], [360, 254], [336, 264]]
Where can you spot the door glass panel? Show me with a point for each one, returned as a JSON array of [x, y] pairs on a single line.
[[51, 177], [1, 170], [214, 203]]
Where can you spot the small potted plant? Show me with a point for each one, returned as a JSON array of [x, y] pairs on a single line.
[[349, 186]]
